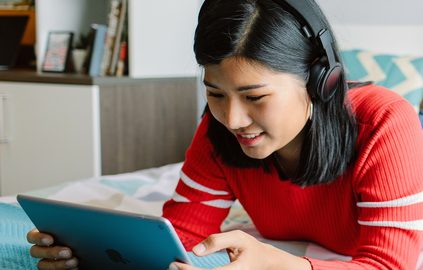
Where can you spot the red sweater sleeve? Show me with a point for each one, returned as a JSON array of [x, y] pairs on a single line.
[[388, 183], [202, 197]]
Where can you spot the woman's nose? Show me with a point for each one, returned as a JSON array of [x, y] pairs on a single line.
[[236, 116]]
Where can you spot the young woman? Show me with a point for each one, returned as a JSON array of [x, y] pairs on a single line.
[[309, 157]]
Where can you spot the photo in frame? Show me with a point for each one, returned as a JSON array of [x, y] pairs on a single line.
[[58, 48]]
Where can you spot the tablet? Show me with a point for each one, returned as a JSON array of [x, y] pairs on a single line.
[[107, 239]]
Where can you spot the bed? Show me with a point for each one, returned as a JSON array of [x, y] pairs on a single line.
[[142, 191], [146, 190]]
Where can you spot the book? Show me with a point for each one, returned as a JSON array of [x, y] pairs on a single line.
[[95, 50], [118, 38], [122, 63], [113, 19]]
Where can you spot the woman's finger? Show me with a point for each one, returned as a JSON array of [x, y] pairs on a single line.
[[55, 253], [38, 238], [47, 264], [227, 240]]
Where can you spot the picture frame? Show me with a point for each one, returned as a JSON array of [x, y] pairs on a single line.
[[58, 50]]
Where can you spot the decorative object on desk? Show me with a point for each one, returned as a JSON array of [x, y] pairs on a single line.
[[59, 44], [79, 53], [78, 57], [82, 42]]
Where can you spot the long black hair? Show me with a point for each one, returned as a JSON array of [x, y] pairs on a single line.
[[264, 32]]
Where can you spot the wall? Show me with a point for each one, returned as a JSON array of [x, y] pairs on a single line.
[[162, 38], [381, 12], [401, 39], [377, 25]]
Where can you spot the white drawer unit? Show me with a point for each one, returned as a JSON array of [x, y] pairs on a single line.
[[49, 133]]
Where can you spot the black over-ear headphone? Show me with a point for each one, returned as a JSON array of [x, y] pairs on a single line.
[[325, 72]]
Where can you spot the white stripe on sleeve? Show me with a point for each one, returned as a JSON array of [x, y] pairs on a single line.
[[191, 183], [409, 200], [219, 203], [179, 198], [214, 203], [409, 225]]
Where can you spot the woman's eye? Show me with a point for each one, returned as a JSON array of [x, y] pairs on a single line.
[[255, 98], [210, 94]]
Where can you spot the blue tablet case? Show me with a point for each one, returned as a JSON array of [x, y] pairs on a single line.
[[109, 239]]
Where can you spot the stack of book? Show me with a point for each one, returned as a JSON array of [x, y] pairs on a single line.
[[108, 45]]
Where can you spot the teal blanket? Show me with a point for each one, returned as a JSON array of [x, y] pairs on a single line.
[[14, 249]]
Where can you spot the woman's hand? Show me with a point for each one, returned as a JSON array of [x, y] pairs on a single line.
[[52, 257], [245, 252]]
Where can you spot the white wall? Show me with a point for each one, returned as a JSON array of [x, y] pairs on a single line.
[[377, 25], [369, 12], [162, 34], [401, 39]]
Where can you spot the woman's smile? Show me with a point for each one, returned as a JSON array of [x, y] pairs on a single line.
[[249, 139]]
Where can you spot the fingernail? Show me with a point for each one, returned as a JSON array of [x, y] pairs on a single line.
[[173, 266], [65, 254], [71, 263], [46, 241], [200, 248]]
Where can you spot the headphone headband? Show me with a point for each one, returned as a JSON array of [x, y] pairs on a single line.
[[326, 73], [304, 13], [312, 26]]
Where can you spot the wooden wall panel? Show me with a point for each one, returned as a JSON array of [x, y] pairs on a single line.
[[146, 124]]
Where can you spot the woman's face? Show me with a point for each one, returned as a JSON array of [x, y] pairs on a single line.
[[265, 110]]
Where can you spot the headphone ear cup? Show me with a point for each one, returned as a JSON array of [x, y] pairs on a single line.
[[323, 81], [317, 72]]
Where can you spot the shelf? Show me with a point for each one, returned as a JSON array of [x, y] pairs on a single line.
[[68, 78], [29, 35], [160, 32]]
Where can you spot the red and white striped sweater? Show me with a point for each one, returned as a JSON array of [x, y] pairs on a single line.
[[373, 213]]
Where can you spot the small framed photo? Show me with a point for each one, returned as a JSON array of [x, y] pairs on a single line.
[[57, 56]]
